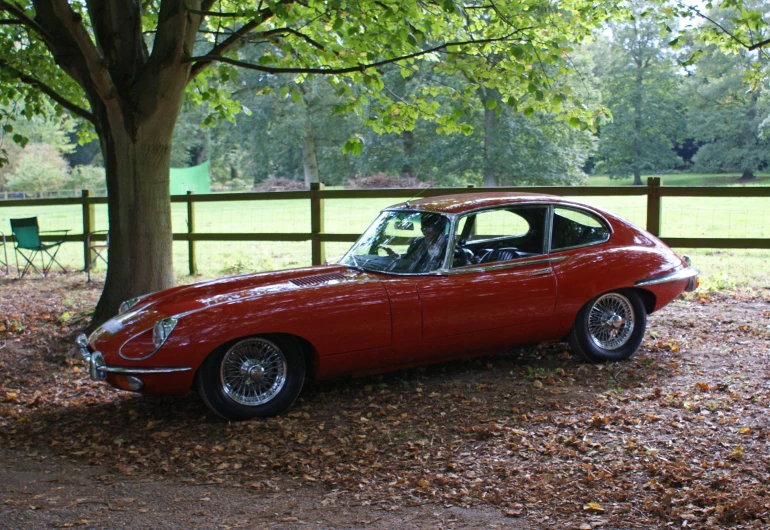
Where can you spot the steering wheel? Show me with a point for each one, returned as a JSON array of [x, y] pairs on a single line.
[[387, 251], [462, 256]]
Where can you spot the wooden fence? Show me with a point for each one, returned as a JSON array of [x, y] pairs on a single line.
[[317, 195]]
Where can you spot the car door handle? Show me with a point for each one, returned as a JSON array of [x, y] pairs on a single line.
[[541, 272]]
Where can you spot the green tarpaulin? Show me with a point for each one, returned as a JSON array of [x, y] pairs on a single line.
[[196, 179]]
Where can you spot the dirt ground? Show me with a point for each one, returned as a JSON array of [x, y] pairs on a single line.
[[677, 435]]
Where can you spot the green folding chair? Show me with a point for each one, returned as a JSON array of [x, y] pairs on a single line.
[[28, 246], [4, 261]]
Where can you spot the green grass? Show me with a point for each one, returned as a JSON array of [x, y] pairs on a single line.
[[682, 217], [686, 179]]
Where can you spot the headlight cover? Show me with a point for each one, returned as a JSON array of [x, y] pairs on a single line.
[[128, 304], [162, 330]]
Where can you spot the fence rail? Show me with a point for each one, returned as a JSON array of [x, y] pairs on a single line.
[[317, 197]]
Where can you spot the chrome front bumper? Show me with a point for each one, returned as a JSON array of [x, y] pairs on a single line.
[[95, 360], [98, 369]]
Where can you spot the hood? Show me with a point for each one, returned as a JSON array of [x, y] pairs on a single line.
[[190, 298]]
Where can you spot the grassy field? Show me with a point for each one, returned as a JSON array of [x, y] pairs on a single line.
[[682, 217]]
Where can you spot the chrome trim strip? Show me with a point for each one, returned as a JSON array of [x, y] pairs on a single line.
[[681, 274], [581, 246], [123, 370], [507, 265], [132, 337]]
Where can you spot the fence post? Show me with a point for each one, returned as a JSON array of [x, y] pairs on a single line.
[[653, 205], [191, 230], [318, 247], [89, 225]]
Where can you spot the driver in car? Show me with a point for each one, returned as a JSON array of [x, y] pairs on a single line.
[[426, 253]]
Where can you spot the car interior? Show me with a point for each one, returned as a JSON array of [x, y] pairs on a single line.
[[519, 234]]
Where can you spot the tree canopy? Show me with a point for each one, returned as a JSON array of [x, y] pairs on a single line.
[[125, 67]]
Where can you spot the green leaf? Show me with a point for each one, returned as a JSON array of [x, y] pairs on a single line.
[[491, 104], [574, 122], [353, 146]]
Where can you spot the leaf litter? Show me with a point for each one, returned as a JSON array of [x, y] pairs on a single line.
[[677, 435]]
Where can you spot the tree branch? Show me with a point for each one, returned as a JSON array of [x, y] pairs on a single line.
[[214, 13], [235, 41], [759, 44], [25, 20], [346, 70], [50, 92], [717, 24], [294, 32], [93, 60]]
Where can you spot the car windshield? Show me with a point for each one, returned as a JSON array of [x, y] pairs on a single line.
[[401, 242]]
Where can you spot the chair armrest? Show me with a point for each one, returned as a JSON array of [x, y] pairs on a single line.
[[62, 234], [90, 234]]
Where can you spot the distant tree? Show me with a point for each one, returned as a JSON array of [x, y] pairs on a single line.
[[639, 86], [86, 178], [725, 115], [39, 168], [23, 128]]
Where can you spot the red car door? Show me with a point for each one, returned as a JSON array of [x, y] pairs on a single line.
[[501, 276], [488, 299]]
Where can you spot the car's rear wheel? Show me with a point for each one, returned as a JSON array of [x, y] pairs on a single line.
[[255, 377], [609, 328]]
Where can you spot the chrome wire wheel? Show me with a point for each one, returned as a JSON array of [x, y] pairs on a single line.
[[253, 371], [611, 321]]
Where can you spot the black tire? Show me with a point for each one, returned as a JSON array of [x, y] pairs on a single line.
[[254, 377], [601, 332]]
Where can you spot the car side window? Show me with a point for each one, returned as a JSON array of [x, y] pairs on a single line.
[[572, 228], [499, 235]]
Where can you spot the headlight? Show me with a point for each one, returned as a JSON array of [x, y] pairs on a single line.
[[162, 330], [128, 304]]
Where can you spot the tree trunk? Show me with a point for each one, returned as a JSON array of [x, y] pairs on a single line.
[[139, 209], [310, 159], [490, 133], [407, 140], [748, 174], [749, 137], [309, 149], [638, 109]]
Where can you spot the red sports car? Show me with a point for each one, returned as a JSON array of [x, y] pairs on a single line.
[[430, 280]]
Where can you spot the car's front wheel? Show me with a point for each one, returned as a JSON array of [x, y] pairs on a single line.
[[255, 377], [609, 328]]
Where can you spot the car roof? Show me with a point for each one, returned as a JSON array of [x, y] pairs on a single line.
[[466, 202]]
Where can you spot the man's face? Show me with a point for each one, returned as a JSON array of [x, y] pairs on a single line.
[[431, 232]]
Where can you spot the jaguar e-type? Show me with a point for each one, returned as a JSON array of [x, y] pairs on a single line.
[[430, 280]]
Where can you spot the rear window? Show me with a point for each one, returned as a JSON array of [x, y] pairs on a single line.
[[572, 228]]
